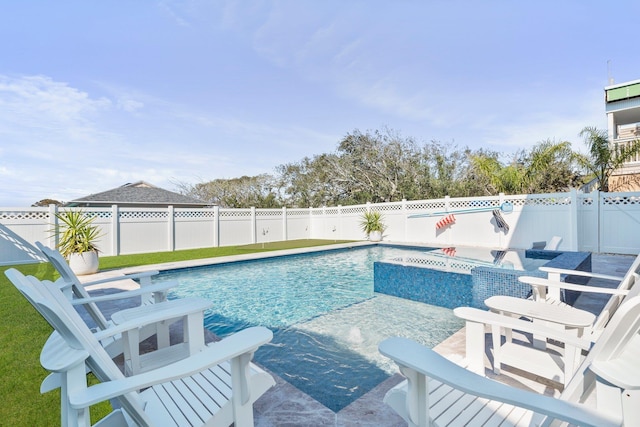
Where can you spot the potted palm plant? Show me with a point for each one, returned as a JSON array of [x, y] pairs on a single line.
[[77, 236], [373, 225]]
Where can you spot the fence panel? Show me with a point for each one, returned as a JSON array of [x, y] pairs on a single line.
[[298, 224], [350, 219], [620, 223], [194, 228], [588, 218], [143, 230], [269, 227], [236, 227], [539, 217]]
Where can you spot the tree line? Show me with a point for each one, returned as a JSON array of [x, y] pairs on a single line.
[[383, 166]]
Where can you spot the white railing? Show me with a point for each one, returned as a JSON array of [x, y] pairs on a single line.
[[595, 222], [626, 142]]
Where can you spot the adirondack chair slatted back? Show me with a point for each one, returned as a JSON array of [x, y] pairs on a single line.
[[621, 333], [67, 275], [629, 281], [63, 317]]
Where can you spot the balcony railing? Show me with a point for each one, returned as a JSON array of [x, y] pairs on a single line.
[[620, 143]]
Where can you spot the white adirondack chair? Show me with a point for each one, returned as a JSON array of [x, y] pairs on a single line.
[[548, 290], [216, 386], [557, 364], [601, 393], [153, 298], [553, 244]]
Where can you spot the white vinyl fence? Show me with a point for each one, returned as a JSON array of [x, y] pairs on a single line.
[[594, 222]]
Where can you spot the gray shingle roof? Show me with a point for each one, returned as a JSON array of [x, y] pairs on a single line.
[[139, 193]]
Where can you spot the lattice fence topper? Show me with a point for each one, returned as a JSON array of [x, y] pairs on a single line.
[[269, 213], [195, 214], [24, 215], [297, 212], [355, 210], [388, 207], [235, 213], [143, 214], [621, 200], [426, 205]]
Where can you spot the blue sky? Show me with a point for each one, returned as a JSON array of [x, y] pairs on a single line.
[[97, 94]]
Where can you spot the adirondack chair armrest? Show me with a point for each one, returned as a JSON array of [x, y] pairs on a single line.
[[168, 310], [540, 281], [476, 315], [57, 356], [150, 289], [63, 285], [558, 271], [135, 276], [425, 362], [242, 343]]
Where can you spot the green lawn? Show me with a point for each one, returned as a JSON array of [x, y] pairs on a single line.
[[23, 332]]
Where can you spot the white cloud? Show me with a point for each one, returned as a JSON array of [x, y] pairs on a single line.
[[130, 105], [40, 98]]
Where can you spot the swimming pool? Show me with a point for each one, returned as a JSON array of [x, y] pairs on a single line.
[[326, 319]]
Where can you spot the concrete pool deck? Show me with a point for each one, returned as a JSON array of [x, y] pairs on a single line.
[[284, 405]]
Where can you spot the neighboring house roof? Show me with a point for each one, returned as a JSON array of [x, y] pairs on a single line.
[[140, 194]]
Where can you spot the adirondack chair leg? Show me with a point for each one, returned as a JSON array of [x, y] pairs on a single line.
[[163, 334], [631, 407], [131, 351], [241, 402], [475, 347], [73, 380], [615, 400], [541, 342], [193, 331], [417, 398], [609, 397], [496, 336]]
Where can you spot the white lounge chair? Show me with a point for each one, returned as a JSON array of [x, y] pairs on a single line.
[[556, 364], [216, 386], [71, 286], [190, 310], [439, 392], [551, 245]]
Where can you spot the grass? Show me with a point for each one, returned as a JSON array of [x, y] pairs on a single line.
[[23, 332]]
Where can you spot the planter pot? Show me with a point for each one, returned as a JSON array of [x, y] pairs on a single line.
[[375, 236], [84, 263]]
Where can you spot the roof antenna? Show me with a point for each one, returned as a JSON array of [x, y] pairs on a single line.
[[609, 77]]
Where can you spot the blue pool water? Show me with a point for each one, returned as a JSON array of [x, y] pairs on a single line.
[[326, 319]]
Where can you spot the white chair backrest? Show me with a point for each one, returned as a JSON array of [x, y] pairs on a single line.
[[630, 282], [60, 264], [616, 337], [63, 317], [553, 243]]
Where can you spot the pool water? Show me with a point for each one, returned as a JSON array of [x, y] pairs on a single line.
[[326, 319]]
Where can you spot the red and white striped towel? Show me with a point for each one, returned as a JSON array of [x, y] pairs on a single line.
[[449, 251], [447, 220]]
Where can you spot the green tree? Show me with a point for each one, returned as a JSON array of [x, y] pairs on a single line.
[[548, 167], [604, 158], [247, 191], [47, 202]]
